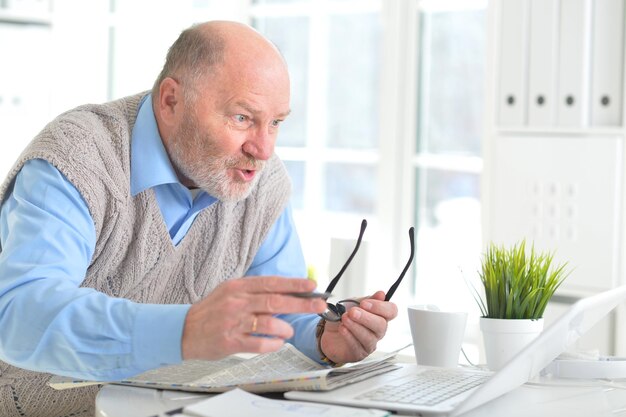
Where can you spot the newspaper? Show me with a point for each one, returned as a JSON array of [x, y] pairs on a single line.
[[284, 370]]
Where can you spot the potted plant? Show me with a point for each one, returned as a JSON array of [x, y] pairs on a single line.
[[517, 286]]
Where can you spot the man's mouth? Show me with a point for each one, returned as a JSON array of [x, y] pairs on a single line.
[[247, 174]]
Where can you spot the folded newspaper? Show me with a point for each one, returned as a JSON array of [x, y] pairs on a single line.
[[285, 370]]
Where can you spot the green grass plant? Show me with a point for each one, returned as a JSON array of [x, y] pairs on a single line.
[[517, 284]]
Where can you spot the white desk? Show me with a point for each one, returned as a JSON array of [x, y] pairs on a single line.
[[568, 398], [123, 401], [572, 398]]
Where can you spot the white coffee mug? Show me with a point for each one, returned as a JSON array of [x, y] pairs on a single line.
[[437, 335]]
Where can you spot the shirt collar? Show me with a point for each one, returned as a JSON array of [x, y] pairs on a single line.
[[149, 163]]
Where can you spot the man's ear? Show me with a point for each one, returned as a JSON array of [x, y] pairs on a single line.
[[169, 105]]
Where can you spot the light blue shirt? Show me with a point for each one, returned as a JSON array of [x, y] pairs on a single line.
[[49, 323]]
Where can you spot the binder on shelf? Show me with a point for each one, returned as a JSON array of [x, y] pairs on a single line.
[[607, 63], [512, 51], [574, 63], [542, 61]]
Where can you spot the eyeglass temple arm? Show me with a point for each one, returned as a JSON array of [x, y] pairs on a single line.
[[335, 280], [406, 267]]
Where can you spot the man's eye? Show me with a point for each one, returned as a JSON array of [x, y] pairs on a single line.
[[276, 123], [241, 118]]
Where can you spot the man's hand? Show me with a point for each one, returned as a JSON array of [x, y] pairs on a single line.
[[223, 323], [360, 329]]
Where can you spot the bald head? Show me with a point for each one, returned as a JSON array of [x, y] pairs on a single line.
[[238, 35], [206, 48]]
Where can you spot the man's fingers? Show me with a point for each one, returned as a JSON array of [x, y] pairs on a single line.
[[237, 316], [284, 304], [367, 336], [355, 346], [273, 284], [377, 325], [263, 324], [384, 309], [271, 295], [255, 344]]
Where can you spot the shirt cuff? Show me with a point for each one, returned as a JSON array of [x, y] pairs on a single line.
[[158, 334], [308, 343], [304, 339]]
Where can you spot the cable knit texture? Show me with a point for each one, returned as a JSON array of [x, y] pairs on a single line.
[[134, 256]]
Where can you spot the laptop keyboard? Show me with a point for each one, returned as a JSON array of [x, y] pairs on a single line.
[[427, 388]]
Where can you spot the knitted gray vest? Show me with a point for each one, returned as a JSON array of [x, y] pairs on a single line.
[[134, 257]]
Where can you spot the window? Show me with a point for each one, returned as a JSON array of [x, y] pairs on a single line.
[[447, 160], [386, 125], [24, 96], [330, 141]]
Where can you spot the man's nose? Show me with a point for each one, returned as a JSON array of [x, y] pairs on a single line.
[[260, 145]]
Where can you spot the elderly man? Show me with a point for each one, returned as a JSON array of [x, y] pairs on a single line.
[[126, 229]]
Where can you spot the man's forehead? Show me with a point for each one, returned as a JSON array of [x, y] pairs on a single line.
[[278, 111]]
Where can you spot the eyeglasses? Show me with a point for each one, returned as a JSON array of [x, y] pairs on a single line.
[[335, 311]]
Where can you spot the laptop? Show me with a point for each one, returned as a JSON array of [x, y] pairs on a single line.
[[380, 391]]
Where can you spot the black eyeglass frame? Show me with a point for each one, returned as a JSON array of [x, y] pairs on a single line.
[[334, 312]]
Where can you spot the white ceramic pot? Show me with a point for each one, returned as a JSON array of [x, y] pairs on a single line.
[[505, 337]]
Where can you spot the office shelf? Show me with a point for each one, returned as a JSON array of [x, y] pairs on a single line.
[[555, 143]]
